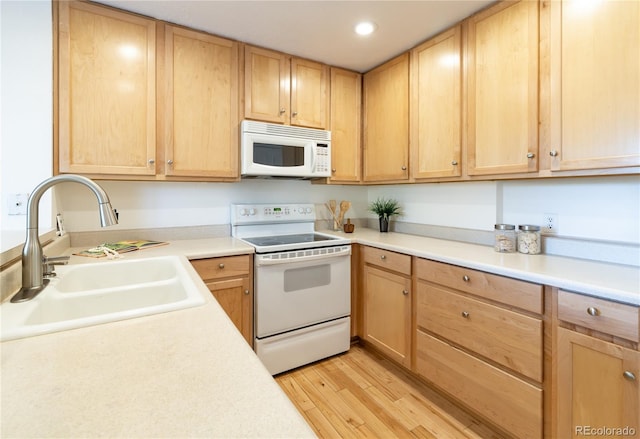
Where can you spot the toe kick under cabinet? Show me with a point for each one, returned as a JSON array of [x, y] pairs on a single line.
[[479, 338]]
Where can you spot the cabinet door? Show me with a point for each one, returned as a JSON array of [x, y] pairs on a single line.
[[598, 386], [235, 296], [106, 91], [386, 121], [266, 85], [595, 84], [387, 313], [435, 107], [346, 95], [309, 94], [200, 105], [502, 94]]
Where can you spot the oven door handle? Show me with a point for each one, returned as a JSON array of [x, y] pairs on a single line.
[[264, 260]]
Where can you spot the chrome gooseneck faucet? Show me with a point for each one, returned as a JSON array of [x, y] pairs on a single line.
[[32, 257]]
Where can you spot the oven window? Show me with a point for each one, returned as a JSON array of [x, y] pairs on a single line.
[[297, 279], [278, 155]]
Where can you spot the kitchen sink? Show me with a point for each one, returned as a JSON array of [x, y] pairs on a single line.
[[78, 278], [101, 292]]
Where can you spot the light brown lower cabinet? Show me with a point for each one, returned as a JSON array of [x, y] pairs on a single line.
[[230, 280], [598, 387], [479, 338], [507, 401], [387, 303]]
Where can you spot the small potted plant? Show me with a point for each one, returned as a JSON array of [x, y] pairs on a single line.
[[384, 208]]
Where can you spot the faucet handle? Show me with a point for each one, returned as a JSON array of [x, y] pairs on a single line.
[[49, 263]]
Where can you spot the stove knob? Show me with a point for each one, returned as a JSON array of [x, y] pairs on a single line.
[[307, 210], [243, 212], [252, 211]]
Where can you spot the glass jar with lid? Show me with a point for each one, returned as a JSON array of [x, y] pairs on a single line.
[[505, 238], [529, 241]]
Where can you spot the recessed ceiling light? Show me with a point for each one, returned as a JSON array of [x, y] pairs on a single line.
[[365, 28]]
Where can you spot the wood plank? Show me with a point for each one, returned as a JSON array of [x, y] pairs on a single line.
[[296, 394], [361, 394]]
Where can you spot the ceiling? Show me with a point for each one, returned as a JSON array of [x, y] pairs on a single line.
[[318, 30]]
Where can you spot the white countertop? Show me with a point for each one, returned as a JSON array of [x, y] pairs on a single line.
[[611, 281], [190, 373], [185, 373]]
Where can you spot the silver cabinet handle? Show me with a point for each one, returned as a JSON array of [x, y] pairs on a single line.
[[530, 155], [629, 375], [466, 278], [465, 314], [170, 162], [221, 265], [553, 153], [593, 311], [294, 114], [282, 110], [333, 169], [454, 163], [246, 292], [404, 168], [383, 257], [151, 161], [405, 292]]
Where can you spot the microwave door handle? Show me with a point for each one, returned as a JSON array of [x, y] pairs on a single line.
[[314, 151]]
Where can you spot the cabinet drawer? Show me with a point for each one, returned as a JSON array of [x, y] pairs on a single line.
[[506, 337], [600, 315], [387, 259], [512, 404], [521, 294], [219, 268]]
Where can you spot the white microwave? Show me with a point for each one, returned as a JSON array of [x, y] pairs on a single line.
[[272, 150]]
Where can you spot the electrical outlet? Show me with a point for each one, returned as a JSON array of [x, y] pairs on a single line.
[[17, 204], [550, 224]]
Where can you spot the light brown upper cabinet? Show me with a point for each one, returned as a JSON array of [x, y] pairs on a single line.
[[595, 84], [200, 107], [386, 121], [106, 91], [502, 89], [435, 107], [346, 95], [281, 89]]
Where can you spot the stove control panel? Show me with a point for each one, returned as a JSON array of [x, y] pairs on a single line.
[[271, 213]]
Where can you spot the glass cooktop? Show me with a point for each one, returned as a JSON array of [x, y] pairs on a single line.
[[266, 241]]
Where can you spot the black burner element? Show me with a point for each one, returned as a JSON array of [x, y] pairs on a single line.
[[266, 241]]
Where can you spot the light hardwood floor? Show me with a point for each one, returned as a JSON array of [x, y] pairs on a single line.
[[361, 394]]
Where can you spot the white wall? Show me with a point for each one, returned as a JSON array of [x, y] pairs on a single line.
[[26, 109], [167, 204], [467, 205], [603, 208], [598, 208]]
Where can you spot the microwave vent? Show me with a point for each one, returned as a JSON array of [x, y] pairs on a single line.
[[285, 130]]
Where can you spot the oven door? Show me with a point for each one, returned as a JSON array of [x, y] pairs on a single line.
[[301, 288]]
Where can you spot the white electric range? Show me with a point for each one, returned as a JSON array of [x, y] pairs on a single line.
[[302, 284]]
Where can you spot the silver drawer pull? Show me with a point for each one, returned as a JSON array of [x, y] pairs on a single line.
[[246, 292], [465, 314], [593, 311], [466, 278], [405, 292], [383, 257], [221, 265], [629, 375]]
